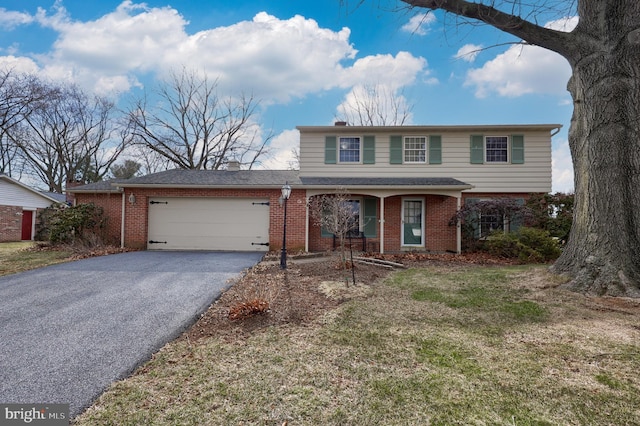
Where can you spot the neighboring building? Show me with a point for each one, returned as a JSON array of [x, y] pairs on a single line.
[[19, 205], [405, 182]]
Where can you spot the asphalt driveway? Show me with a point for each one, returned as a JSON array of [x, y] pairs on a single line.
[[68, 331]]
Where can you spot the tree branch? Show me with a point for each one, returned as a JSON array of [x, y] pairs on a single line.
[[557, 41]]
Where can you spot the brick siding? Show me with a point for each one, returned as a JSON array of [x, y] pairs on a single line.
[[439, 235], [10, 223]]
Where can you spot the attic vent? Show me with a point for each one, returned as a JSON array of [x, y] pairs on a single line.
[[233, 166], [340, 123]]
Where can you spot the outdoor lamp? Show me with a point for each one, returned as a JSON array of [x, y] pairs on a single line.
[[286, 192], [132, 199]]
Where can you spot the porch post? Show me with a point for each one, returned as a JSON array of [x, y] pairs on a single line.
[[306, 224], [381, 225], [458, 226]]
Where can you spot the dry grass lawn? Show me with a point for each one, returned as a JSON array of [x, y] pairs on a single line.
[[440, 343]]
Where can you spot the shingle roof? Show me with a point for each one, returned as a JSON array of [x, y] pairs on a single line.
[[216, 178], [102, 186], [362, 181], [180, 178]]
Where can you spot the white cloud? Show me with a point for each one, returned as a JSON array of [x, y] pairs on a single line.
[[393, 71], [18, 64], [281, 151], [524, 69], [276, 59], [519, 71], [562, 167], [272, 59], [468, 52], [420, 24], [10, 19]]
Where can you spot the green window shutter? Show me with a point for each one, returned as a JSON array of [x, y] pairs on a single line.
[[477, 149], [435, 149], [517, 149], [370, 217], [472, 221], [330, 150], [516, 221], [395, 150], [369, 150]]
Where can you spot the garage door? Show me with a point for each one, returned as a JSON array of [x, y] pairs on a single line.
[[240, 224]]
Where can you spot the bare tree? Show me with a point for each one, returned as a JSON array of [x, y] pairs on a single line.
[[337, 215], [17, 92], [191, 126], [374, 105], [603, 252], [67, 135]]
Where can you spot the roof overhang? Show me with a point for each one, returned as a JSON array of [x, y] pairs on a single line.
[[427, 128]]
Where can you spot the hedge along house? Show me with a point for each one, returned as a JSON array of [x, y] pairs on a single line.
[[19, 206], [404, 184]]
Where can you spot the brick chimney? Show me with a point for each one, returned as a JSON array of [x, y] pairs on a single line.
[[233, 166], [71, 197]]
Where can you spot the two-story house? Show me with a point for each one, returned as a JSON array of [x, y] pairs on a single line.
[[405, 183]]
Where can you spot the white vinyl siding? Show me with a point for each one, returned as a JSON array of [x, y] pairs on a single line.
[[533, 175], [15, 195]]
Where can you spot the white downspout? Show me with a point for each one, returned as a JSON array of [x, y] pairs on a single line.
[[458, 227], [381, 225], [306, 225], [122, 222]]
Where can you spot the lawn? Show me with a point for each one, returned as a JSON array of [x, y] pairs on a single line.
[[436, 344], [21, 256]]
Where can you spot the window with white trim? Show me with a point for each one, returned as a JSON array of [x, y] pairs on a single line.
[[415, 149], [349, 148], [496, 149]]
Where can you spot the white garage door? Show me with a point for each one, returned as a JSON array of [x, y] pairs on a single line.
[[240, 224]]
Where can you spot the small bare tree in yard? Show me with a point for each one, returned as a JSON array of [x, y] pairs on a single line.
[[338, 215]]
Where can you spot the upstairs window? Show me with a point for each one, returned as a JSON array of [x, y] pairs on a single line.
[[415, 149], [496, 149], [349, 149]]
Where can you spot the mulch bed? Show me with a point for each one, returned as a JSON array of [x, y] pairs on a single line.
[[293, 296]]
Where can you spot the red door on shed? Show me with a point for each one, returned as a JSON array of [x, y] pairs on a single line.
[[27, 222]]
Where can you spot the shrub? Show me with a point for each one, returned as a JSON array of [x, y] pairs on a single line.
[[526, 245], [248, 309], [68, 225]]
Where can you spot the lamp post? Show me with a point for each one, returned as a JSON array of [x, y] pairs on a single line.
[[286, 192]]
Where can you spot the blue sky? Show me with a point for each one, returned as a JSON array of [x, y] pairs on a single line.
[[302, 59]]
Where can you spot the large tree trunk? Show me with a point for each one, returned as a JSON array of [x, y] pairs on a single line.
[[603, 254]]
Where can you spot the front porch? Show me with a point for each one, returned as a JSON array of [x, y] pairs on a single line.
[[406, 217]]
